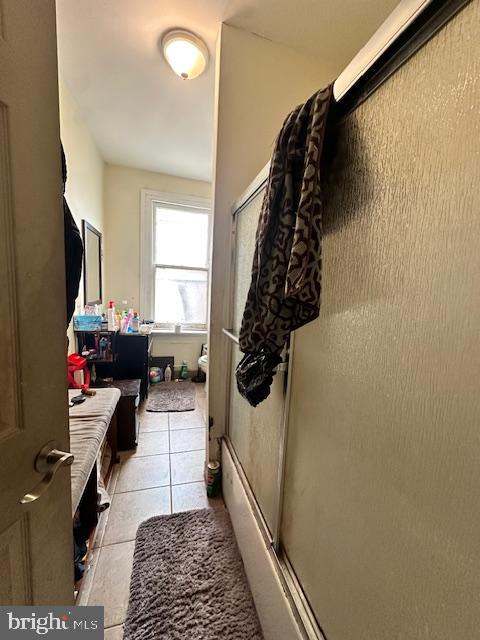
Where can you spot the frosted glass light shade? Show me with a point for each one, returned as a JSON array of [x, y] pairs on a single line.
[[185, 53]]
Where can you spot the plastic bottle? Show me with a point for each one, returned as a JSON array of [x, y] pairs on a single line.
[[128, 322], [184, 371], [135, 323], [111, 315], [168, 373]]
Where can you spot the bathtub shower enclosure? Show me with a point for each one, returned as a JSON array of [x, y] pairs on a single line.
[[255, 434], [363, 463]]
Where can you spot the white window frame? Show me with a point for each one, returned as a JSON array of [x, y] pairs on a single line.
[[148, 200]]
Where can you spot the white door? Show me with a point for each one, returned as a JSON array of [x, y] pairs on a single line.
[[36, 565]]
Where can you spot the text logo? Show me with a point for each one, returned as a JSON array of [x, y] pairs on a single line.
[[60, 622]]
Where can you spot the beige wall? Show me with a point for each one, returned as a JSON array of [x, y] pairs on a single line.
[[381, 519], [257, 83], [84, 191], [185, 347], [85, 171], [123, 186]]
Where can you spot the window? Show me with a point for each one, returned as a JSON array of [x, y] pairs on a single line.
[[175, 250]]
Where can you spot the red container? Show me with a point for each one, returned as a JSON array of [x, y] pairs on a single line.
[[76, 362]]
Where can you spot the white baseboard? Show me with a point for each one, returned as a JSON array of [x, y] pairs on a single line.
[[273, 607]]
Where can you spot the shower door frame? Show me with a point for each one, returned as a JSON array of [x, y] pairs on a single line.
[[255, 188]]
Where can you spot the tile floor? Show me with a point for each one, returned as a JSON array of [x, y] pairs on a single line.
[[163, 475]]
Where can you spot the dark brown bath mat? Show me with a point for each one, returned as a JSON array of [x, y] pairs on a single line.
[[188, 581]]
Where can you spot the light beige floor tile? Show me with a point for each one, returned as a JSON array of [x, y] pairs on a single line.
[[200, 390], [187, 419], [152, 443], [129, 510], [112, 582], [187, 440], [187, 467], [202, 407], [201, 402], [114, 633], [186, 497], [204, 414], [143, 473], [150, 421]]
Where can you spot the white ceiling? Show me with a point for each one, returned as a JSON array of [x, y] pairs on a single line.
[[139, 112]]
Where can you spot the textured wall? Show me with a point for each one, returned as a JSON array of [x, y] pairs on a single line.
[[381, 519]]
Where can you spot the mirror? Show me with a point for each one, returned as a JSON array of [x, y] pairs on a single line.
[[92, 264]]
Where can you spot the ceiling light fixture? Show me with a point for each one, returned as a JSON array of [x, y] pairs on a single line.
[[185, 52]]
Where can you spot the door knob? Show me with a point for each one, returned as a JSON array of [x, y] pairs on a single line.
[[48, 461]]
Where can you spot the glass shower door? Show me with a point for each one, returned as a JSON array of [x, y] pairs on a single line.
[[255, 434]]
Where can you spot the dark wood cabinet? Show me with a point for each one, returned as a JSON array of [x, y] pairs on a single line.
[[132, 359], [127, 414], [128, 356]]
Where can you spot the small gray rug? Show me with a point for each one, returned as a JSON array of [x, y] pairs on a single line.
[[188, 581], [171, 396]]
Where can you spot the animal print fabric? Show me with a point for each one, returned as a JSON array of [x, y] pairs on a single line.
[[286, 273]]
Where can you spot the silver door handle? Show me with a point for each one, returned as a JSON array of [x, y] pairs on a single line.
[[48, 462]]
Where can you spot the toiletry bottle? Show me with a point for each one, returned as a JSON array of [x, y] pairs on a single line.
[[168, 373], [111, 315], [184, 371], [135, 322], [128, 319]]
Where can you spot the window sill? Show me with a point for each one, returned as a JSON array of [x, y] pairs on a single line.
[[181, 334]]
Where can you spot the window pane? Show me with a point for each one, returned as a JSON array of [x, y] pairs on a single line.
[[181, 237], [180, 296]]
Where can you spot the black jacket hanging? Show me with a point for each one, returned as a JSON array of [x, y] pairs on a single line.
[[73, 250]]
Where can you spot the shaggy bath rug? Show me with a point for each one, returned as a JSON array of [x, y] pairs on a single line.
[[188, 581], [171, 396]]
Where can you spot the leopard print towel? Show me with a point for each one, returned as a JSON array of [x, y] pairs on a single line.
[[285, 286]]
